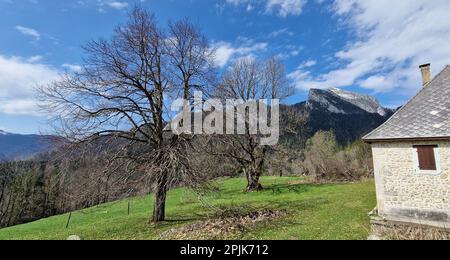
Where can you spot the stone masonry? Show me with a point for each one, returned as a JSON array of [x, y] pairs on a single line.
[[407, 195]]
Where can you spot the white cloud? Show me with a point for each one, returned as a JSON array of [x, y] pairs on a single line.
[[18, 79], [113, 4], [19, 107], [282, 8], [117, 5], [307, 64], [290, 51], [72, 67], [226, 51], [29, 32], [284, 31], [236, 2], [286, 7], [35, 59], [392, 38]]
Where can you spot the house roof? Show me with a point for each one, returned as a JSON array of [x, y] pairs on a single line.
[[426, 116]]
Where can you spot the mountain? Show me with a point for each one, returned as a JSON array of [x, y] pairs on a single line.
[[19, 147], [349, 115]]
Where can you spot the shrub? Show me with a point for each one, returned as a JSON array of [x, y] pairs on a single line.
[[325, 160]]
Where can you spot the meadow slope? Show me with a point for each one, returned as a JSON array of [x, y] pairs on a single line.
[[328, 211]]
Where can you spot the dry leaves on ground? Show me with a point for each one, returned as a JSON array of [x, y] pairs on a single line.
[[222, 228]]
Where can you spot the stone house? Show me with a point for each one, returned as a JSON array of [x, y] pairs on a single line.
[[411, 153]]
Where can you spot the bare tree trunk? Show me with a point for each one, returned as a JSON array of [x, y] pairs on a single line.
[[253, 182], [159, 208], [253, 177], [256, 172], [2, 189]]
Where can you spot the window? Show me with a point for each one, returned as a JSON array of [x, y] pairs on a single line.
[[426, 158]]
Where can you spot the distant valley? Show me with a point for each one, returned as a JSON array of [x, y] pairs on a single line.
[[20, 147]]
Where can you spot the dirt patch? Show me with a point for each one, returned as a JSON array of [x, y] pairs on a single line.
[[404, 232], [292, 183], [221, 228]]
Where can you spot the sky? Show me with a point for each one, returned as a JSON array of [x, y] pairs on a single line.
[[367, 46]]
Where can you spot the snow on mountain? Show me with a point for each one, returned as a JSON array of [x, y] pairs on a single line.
[[3, 132], [365, 102], [335, 98], [348, 115]]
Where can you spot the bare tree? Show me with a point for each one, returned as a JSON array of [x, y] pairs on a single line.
[[251, 80], [274, 79], [122, 91], [191, 58]]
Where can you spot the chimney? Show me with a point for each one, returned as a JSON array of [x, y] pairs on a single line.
[[426, 74]]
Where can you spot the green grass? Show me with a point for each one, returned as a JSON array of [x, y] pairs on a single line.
[[329, 211]]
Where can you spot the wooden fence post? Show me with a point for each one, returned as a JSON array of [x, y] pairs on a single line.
[[68, 220]]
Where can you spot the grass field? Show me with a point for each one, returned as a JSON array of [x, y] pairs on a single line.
[[329, 211]]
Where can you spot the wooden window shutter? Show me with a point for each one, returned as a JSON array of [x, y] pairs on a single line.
[[427, 158]]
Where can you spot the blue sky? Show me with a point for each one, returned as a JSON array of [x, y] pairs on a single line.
[[367, 46]]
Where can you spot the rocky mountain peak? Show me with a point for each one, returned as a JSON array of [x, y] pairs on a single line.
[[345, 102]]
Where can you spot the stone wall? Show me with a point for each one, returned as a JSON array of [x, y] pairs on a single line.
[[407, 195]]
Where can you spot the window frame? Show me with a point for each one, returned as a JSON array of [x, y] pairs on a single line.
[[437, 158]]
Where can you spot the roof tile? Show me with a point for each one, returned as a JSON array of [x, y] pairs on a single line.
[[422, 115]]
